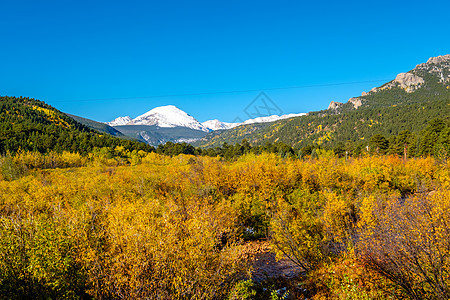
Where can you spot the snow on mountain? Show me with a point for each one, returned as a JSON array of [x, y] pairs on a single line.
[[120, 121], [218, 125], [169, 116], [272, 118], [163, 116], [172, 116]]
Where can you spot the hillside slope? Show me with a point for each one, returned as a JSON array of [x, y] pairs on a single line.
[[101, 127], [30, 124], [405, 103], [155, 135]]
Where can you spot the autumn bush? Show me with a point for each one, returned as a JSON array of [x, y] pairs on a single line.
[[119, 224], [348, 278], [115, 233], [410, 244]]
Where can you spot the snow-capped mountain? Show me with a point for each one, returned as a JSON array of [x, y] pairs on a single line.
[[272, 118], [120, 121], [171, 116], [163, 116], [218, 125]]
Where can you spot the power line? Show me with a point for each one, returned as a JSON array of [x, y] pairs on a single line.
[[223, 92]]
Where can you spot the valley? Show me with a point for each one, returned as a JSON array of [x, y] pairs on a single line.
[[350, 202]]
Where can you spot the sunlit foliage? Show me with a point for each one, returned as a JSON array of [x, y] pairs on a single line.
[[137, 225]]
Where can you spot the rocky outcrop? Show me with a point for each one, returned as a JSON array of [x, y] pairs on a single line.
[[439, 59], [356, 102], [438, 67], [409, 82], [335, 105]]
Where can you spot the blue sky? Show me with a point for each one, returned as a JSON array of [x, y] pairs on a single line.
[[104, 59]]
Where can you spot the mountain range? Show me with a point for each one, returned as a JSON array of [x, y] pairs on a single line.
[[386, 109], [406, 103], [168, 116], [171, 116], [169, 123]]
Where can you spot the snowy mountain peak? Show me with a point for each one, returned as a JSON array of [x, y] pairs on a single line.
[[169, 110], [120, 121], [218, 125], [168, 116], [172, 116]]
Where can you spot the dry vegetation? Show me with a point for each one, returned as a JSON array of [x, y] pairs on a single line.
[[159, 227]]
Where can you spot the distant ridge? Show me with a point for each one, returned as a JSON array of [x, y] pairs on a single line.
[[408, 102]]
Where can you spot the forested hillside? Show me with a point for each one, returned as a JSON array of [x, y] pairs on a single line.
[[348, 131], [402, 104], [29, 124]]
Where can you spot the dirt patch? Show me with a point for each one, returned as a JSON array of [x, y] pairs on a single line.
[[265, 264]]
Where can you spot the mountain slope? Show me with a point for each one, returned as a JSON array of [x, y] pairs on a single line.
[[155, 135], [170, 124], [168, 116], [101, 127], [219, 125], [405, 103], [29, 124], [120, 121]]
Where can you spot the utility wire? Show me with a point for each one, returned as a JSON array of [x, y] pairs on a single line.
[[223, 92]]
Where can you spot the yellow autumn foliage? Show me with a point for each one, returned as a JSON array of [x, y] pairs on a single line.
[[146, 226]]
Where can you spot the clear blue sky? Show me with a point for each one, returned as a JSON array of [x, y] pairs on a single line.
[[104, 59]]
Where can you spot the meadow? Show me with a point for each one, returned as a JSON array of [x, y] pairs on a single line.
[[149, 226]]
